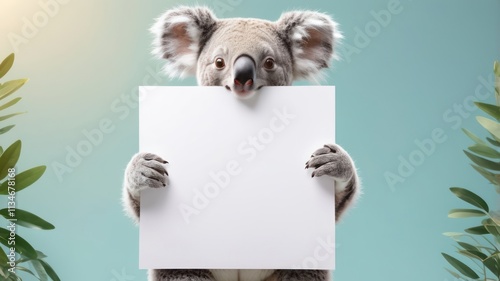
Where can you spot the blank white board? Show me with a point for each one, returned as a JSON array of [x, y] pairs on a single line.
[[239, 196]]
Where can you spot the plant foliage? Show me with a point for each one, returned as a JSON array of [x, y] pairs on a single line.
[[21, 256], [483, 251]]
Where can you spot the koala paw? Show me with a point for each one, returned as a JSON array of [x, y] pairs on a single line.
[[333, 161], [145, 170]]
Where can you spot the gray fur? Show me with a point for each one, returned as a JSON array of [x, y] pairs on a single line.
[[301, 43]]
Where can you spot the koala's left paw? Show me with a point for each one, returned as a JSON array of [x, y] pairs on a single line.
[[333, 161]]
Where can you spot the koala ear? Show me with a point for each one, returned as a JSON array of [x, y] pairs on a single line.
[[311, 37], [180, 34]]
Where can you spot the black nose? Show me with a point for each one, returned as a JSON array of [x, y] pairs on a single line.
[[244, 71]]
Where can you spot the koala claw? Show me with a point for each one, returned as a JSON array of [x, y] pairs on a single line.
[[333, 161], [145, 170]]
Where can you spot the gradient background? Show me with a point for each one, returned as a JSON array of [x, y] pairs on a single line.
[[391, 93]]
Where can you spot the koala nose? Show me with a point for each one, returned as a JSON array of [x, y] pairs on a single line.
[[244, 71]]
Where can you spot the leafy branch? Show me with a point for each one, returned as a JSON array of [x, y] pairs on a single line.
[[484, 239], [17, 254]]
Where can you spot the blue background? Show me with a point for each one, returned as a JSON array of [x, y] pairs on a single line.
[[393, 90]]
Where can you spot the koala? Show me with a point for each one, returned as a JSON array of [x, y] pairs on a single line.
[[244, 55]]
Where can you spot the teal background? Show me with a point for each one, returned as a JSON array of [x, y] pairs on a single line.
[[390, 93]]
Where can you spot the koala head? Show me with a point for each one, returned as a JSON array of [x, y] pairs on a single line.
[[243, 55]]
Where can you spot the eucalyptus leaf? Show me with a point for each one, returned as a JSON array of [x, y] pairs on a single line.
[[460, 266], [496, 68], [485, 173], [492, 227], [495, 216], [470, 197], [9, 87], [50, 271], [485, 163], [6, 65], [492, 110], [493, 142], [22, 246], [24, 179], [5, 117], [9, 158], [22, 268], [40, 270], [484, 150], [490, 125], [10, 103], [477, 230], [5, 130], [453, 273], [473, 137], [473, 254], [468, 246], [493, 264], [1, 150], [465, 213], [3, 257], [452, 234], [27, 219]]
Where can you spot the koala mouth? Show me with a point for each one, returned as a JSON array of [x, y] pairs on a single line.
[[244, 93]]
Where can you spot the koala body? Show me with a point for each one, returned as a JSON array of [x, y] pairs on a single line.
[[243, 55]]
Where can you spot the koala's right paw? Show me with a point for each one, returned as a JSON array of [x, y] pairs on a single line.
[[145, 170]]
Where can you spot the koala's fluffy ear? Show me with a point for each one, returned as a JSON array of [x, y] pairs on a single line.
[[180, 35], [311, 37]]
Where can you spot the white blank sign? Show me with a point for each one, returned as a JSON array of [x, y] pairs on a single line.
[[239, 196]]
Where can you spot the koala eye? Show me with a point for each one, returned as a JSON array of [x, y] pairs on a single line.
[[269, 64], [219, 63]]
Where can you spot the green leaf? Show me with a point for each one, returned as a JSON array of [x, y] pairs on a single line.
[[6, 65], [473, 254], [492, 110], [3, 257], [467, 246], [23, 179], [477, 230], [5, 117], [10, 103], [22, 268], [485, 173], [496, 68], [490, 125], [493, 142], [40, 270], [27, 219], [5, 130], [9, 158], [491, 227], [22, 246], [493, 264], [52, 274], [9, 87], [465, 213], [470, 197], [484, 150], [485, 163], [454, 274], [460, 266], [473, 137], [452, 234]]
